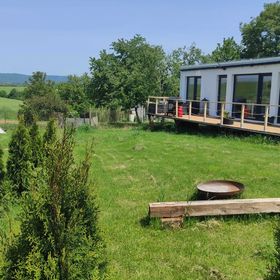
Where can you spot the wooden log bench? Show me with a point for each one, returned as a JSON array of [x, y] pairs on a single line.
[[174, 211]]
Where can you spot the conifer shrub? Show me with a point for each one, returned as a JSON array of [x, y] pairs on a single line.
[[59, 237], [37, 154], [274, 271], [2, 168], [19, 165], [50, 134]]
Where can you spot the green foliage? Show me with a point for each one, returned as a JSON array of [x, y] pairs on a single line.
[[274, 271], [3, 93], [59, 236], [36, 143], [19, 159], [227, 51], [16, 94], [42, 98], [75, 94], [2, 168], [174, 61], [128, 75], [50, 137], [261, 36]]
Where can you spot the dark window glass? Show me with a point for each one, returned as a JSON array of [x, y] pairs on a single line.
[[190, 90], [222, 88], [246, 88], [198, 88]]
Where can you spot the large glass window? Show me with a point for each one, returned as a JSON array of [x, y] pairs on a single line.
[[193, 88], [250, 89]]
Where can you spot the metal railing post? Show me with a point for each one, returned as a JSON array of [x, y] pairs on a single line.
[[205, 111], [266, 117], [242, 115], [190, 109], [222, 113]]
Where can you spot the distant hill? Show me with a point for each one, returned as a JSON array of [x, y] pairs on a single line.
[[18, 79]]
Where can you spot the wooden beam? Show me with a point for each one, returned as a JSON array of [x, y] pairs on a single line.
[[214, 207], [242, 115], [222, 113]]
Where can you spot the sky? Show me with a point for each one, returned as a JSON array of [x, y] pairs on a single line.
[[59, 36]]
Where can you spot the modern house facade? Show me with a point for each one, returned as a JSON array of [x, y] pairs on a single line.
[[254, 82]]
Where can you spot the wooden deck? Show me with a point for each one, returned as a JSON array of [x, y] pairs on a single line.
[[246, 126]]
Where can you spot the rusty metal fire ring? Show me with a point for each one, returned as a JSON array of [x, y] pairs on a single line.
[[218, 189]]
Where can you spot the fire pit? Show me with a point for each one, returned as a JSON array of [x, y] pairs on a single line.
[[219, 189]]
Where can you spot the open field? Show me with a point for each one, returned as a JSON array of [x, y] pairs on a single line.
[[9, 88], [9, 108], [133, 167]]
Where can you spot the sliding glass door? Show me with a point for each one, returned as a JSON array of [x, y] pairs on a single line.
[[193, 92], [222, 90], [251, 88]]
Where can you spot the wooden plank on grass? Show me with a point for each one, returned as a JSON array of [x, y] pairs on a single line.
[[214, 207]]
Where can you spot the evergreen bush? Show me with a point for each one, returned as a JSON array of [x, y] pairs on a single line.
[[2, 169], [19, 165], [59, 236], [36, 143]]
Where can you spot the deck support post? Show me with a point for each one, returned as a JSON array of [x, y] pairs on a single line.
[[266, 117], [222, 113], [177, 108], [205, 111], [242, 115], [156, 106], [190, 109]]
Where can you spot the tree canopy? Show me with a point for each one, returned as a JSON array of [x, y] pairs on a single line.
[[261, 36]]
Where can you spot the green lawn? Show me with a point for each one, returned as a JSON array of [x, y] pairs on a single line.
[[9, 108], [133, 167]]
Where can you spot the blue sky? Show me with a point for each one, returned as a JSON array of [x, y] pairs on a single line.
[[58, 37]]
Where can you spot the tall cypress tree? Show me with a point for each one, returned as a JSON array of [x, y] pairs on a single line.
[[19, 159], [36, 145], [2, 172], [59, 237], [50, 133]]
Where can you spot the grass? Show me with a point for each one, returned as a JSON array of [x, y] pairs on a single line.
[[9, 88], [9, 108], [133, 167]]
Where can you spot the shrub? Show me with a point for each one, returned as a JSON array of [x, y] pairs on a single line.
[[36, 143], [59, 236], [19, 159], [2, 172]]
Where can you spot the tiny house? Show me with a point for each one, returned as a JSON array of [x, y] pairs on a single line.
[[254, 82], [241, 95]]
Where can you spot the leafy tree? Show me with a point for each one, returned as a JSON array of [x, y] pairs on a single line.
[[177, 58], [42, 98], [2, 169], [19, 159], [227, 51], [36, 143], [75, 93], [16, 94], [38, 85], [127, 75], [261, 36], [59, 237]]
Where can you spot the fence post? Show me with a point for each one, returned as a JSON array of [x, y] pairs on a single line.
[[266, 117], [190, 109], [205, 111], [222, 113], [177, 108], [242, 115], [156, 106]]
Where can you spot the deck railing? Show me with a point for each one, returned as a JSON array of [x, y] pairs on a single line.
[[265, 114]]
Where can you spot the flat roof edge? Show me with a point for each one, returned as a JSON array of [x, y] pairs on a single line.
[[232, 64]]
